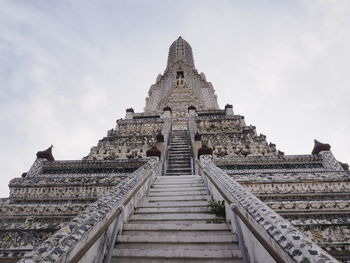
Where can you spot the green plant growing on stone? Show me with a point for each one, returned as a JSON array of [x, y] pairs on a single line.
[[217, 208]]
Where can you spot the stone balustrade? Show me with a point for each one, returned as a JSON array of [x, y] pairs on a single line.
[[268, 236], [91, 230]]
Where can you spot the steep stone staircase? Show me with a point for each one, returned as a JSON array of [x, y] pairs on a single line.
[[179, 161], [172, 224]]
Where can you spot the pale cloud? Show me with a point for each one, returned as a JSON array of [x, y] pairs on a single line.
[[69, 69]]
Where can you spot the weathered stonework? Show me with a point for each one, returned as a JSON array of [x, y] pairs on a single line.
[[56, 205], [311, 191], [51, 195]]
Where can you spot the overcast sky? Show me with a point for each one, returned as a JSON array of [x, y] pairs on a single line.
[[69, 69]]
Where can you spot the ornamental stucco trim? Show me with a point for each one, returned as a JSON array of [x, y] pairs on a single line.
[[62, 241], [36, 168], [291, 240], [330, 162]]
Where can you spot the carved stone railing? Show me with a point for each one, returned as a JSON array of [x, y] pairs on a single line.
[[324, 161], [192, 129], [166, 131], [268, 159], [43, 168], [91, 235], [290, 176], [266, 236]]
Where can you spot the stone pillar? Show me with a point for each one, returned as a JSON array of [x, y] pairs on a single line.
[[229, 109], [192, 111], [117, 125], [242, 121], [129, 114], [167, 112], [160, 143], [197, 144]]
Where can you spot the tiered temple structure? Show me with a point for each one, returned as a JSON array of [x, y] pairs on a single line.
[[183, 181]]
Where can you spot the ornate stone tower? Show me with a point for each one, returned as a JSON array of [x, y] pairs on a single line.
[[141, 194], [181, 85]]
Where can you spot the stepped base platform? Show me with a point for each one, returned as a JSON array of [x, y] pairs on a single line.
[[173, 224]]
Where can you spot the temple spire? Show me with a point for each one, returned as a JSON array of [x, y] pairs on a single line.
[[180, 51]]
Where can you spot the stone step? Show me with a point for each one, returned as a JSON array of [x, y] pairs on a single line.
[[184, 177], [177, 174], [184, 186], [176, 237], [177, 227], [176, 156], [175, 189], [179, 164], [134, 245], [177, 253], [178, 167], [183, 170], [175, 221], [178, 160], [173, 204], [179, 180], [190, 178], [190, 209], [179, 184], [175, 161], [181, 161], [180, 146], [179, 233], [177, 193], [177, 198], [173, 260], [175, 216]]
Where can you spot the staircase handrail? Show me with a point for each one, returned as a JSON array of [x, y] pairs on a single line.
[[92, 227], [166, 131], [192, 129], [282, 241]]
